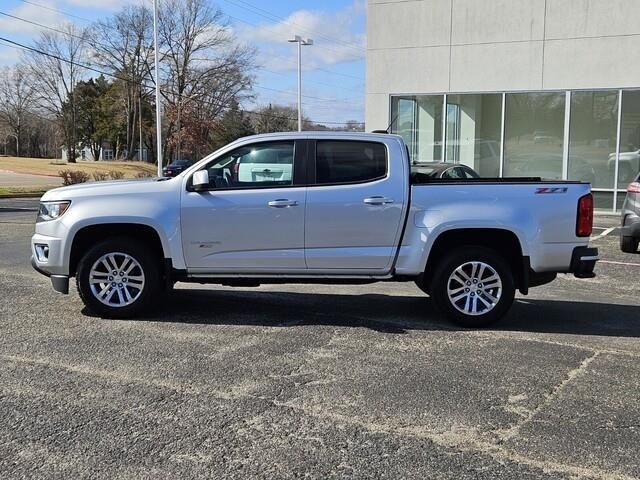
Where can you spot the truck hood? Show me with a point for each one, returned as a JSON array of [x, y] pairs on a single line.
[[106, 188]]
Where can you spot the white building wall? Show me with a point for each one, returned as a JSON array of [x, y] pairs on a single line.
[[435, 46]]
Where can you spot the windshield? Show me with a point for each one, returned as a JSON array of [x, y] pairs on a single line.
[[179, 163]]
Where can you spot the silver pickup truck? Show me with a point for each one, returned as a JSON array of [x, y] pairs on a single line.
[[315, 208]]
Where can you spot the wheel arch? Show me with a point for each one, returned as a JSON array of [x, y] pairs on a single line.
[[88, 235], [503, 241]]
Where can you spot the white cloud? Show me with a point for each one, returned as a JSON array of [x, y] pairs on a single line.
[[9, 55], [33, 13], [332, 32], [101, 4]]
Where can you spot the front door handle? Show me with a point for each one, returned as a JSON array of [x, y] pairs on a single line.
[[282, 203], [378, 200]]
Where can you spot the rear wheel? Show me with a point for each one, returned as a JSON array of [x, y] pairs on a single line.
[[118, 278], [473, 286], [629, 244]]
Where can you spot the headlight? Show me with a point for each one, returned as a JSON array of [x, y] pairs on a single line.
[[52, 210]]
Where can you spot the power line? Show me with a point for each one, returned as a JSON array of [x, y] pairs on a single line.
[[289, 92], [56, 10], [338, 73], [316, 45], [80, 37], [96, 70], [65, 60], [85, 39], [271, 16], [91, 21], [349, 89]]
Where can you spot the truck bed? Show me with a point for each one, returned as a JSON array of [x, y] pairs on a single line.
[[418, 178]]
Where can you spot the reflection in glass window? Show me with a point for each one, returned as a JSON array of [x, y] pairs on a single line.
[[629, 163], [258, 165], [473, 132], [418, 119], [534, 134], [592, 144]]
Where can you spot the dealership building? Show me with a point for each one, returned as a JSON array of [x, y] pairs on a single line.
[[545, 88]]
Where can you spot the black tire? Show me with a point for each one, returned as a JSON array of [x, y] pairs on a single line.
[[629, 244], [150, 267], [463, 256]]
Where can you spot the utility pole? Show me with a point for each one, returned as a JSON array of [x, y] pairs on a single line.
[[140, 123], [156, 75], [300, 41]]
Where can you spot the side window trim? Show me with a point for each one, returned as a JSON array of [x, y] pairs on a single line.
[[313, 157]]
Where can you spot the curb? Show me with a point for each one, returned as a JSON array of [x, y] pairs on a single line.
[[22, 195]]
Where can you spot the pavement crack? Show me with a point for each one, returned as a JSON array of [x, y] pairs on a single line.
[[507, 434], [467, 440]]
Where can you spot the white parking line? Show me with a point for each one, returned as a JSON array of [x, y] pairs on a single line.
[[620, 263], [603, 234]]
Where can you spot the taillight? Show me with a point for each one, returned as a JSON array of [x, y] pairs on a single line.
[[634, 187], [584, 225]]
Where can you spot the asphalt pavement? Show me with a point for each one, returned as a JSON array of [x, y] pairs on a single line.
[[293, 381]]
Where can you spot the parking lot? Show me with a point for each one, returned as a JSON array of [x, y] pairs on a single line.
[[292, 381]]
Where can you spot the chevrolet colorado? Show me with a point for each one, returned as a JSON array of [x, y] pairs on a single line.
[[315, 208]]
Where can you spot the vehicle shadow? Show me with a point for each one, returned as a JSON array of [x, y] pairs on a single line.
[[384, 313]]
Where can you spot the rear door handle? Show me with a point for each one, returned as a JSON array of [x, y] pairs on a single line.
[[378, 200], [282, 203]]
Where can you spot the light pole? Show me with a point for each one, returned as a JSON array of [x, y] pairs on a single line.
[[300, 41], [156, 75]]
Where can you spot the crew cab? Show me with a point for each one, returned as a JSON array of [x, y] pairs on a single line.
[[315, 207]]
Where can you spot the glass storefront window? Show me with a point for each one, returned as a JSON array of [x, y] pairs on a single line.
[[534, 129], [418, 119], [534, 135], [474, 131], [629, 163], [592, 139]]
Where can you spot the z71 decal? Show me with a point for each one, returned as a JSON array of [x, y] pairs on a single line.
[[551, 190]]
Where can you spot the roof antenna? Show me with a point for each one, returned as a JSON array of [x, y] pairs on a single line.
[[393, 120]]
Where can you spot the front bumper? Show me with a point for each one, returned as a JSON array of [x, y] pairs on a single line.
[[60, 283], [583, 262], [47, 258]]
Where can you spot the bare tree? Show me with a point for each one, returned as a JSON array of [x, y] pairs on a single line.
[[16, 100], [55, 65], [276, 118], [123, 46], [205, 69]]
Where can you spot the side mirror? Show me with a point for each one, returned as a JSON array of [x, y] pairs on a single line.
[[200, 180]]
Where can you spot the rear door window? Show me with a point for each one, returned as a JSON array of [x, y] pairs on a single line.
[[343, 161]]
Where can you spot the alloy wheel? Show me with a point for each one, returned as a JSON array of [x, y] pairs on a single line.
[[474, 288], [116, 279]]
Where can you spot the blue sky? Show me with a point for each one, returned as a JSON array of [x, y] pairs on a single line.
[[334, 67]]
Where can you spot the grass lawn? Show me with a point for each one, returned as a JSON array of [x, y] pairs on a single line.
[[48, 166], [23, 191]]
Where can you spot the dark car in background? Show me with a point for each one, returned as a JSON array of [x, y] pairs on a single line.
[[176, 167], [444, 170], [630, 234]]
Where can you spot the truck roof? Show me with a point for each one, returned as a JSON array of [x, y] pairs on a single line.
[[322, 134]]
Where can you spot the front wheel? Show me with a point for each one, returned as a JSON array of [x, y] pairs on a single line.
[[118, 278], [473, 286]]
